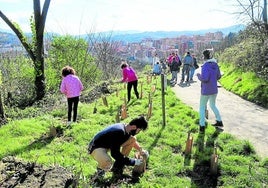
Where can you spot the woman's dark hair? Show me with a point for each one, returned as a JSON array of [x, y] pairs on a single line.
[[140, 122], [207, 54], [67, 70], [123, 65]]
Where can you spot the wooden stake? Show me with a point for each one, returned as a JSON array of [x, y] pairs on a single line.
[[149, 114], [95, 108], [214, 162], [52, 132], [149, 79], [141, 92], [104, 100], [189, 144], [123, 112], [117, 117], [153, 88]]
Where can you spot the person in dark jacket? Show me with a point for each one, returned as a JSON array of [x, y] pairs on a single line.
[[174, 68], [210, 74], [117, 139]]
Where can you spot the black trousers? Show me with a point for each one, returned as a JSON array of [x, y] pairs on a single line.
[[129, 87], [72, 106]]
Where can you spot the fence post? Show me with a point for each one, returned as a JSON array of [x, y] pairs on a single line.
[[163, 99]]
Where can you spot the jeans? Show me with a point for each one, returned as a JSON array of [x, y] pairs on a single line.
[[104, 160], [185, 70], [174, 76], [202, 108], [192, 70]]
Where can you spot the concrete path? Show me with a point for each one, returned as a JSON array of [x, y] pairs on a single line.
[[241, 118]]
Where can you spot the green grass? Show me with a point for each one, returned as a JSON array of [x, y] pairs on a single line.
[[244, 84], [238, 165]]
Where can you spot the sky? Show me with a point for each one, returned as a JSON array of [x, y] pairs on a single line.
[[87, 16]]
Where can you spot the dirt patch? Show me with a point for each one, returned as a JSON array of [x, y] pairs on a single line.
[[17, 173]]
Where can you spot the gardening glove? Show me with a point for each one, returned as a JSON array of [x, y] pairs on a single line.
[[138, 162], [145, 152]]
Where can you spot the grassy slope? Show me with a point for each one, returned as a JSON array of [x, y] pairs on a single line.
[[168, 166], [245, 84]]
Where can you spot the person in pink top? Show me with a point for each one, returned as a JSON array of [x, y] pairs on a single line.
[[130, 76], [71, 86]]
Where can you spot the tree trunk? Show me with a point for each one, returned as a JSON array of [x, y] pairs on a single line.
[[37, 52], [2, 112], [264, 15], [40, 19]]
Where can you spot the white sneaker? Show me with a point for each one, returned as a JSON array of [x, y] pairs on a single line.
[[69, 123]]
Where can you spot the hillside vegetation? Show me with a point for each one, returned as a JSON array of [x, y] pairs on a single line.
[[245, 71], [36, 131], [169, 166]]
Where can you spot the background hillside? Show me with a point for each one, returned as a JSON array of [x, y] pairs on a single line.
[[7, 37]]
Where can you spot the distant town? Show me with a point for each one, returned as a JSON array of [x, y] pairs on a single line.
[[147, 48], [142, 51]]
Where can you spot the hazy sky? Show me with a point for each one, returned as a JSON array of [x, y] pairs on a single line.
[[85, 16]]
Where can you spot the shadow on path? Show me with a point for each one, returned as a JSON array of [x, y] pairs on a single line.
[[241, 118]]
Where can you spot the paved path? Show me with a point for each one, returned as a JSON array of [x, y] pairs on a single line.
[[241, 118]]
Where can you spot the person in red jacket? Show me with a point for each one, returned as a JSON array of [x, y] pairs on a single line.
[[130, 76]]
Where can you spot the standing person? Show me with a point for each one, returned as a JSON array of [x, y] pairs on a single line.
[[117, 139], [187, 64], [157, 69], [170, 59], [71, 86], [174, 68], [130, 76], [192, 68], [210, 74], [155, 59]]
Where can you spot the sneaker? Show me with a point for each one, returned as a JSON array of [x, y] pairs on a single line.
[[218, 124], [69, 124], [202, 129]]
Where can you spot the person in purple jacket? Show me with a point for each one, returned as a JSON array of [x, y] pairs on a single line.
[[71, 86], [118, 140], [130, 76], [210, 74]]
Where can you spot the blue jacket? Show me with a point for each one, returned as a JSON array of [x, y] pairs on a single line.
[[210, 74], [157, 68], [188, 60]]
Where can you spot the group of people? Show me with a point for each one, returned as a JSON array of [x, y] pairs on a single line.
[[119, 139], [72, 87], [188, 63]]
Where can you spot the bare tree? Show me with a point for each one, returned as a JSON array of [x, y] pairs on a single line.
[[256, 12], [2, 111], [35, 49], [106, 53]]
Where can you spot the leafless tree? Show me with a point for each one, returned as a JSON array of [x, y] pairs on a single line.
[[256, 12], [105, 50], [34, 48]]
